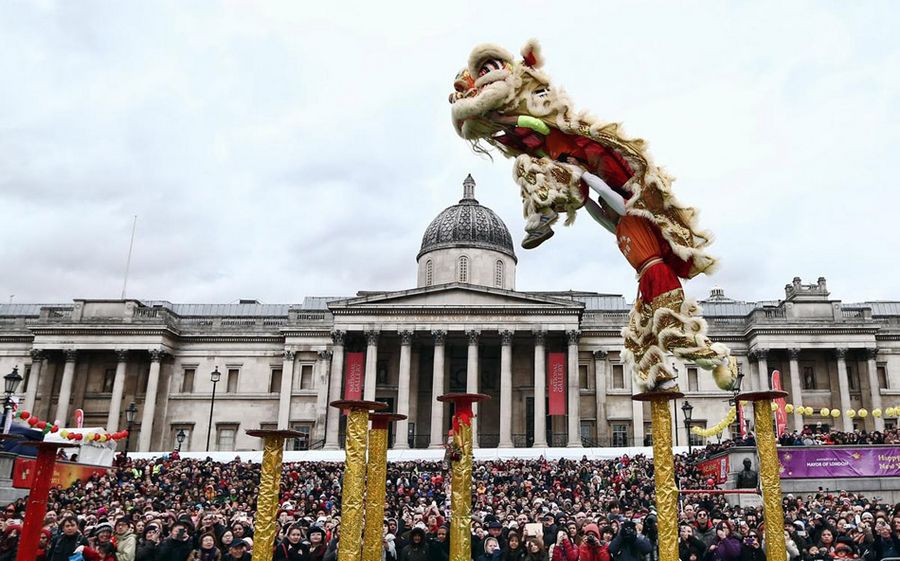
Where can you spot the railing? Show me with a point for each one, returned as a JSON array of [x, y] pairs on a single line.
[[853, 313], [57, 312]]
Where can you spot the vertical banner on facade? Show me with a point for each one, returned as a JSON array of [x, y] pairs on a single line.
[[79, 418], [780, 413], [556, 383], [742, 426], [354, 371]]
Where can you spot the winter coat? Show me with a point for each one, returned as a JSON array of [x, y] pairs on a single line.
[[728, 549], [619, 550], [415, 552], [126, 547], [174, 550], [286, 551]]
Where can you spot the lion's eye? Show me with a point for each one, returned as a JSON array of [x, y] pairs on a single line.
[[543, 92], [489, 66]]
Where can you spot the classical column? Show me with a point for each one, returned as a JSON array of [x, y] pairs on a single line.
[[796, 388], [540, 390], [871, 367], [332, 422], [506, 337], [840, 356], [323, 367], [600, 385], [115, 401], [371, 365], [762, 356], [437, 389], [574, 412], [156, 356], [37, 364], [472, 378], [65, 388], [401, 430], [637, 423], [287, 388]]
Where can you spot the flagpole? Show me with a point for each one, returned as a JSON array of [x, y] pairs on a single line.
[[128, 261]]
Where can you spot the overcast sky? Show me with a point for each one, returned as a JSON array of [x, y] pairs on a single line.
[[282, 150]]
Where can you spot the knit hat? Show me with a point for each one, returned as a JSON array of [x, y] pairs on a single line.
[[592, 529]]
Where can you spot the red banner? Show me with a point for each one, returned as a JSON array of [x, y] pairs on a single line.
[[780, 413], [715, 469], [740, 419], [64, 473], [354, 372], [556, 383]]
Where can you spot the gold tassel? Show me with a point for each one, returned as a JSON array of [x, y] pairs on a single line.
[[461, 498], [266, 527], [664, 475], [354, 486], [376, 494]]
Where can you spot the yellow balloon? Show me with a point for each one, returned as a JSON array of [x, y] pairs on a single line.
[[876, 412], [863, 413], [851, 413], [823, 412], [789, 408], [835, 413]]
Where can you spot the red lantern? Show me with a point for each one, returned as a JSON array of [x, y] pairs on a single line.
[[33, 421], [70, 436], [124, 433], [54, 428], [24, 415], [78, 436], [42, 425]]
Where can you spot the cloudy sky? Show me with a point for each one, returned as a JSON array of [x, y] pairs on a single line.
[[282, 150]]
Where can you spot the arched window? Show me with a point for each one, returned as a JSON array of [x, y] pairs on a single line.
[[498, 274], [429, 273], [463, 269]]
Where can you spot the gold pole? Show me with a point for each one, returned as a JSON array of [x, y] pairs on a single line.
[[376, 484], [266, 527], [350, 545], [461, 475], [769, 471]]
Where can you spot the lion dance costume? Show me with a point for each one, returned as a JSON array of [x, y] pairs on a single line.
[[560, 157]]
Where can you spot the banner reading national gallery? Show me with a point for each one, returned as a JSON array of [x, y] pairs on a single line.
[[839, 461]]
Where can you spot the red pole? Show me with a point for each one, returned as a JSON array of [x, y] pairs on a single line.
[[36, 507]]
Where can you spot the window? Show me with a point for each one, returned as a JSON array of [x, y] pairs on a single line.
[[25, 379], [381, 372], [853, 377], [694, 439], [306, 376], [809, 378], [429, 273], [498, 274], [275, 381], [302, 442], [648, 434], [881, 372], [587, 432], [225, 436], [463, 269], [620, 434], [232, 381], [618, 377], [109, 378], [173, 437], [583, 376], [693, 383], [187, 380]]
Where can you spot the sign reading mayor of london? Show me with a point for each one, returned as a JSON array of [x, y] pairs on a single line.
[[828, 461]]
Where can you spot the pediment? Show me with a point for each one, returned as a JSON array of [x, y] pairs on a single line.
[[456, 295]]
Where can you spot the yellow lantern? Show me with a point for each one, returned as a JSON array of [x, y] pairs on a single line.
[[876, 412], [823, 412], [810, 411], [851, 413], [789, 408], [774, 406], [835, 413], [863, 413]]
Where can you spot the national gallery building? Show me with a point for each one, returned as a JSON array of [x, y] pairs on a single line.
[[464, 327]]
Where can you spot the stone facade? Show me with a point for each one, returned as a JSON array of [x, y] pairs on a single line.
[[280, 365]]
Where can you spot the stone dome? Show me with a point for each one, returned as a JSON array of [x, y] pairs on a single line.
[[467, 224]]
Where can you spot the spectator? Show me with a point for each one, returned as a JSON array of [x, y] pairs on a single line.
[[208, 550], [725, 547], [178, 546], [592, 547], [690, 548], [290, 548], [417, 548], [751, 549], [628, 545], [126, 541], [237, 551], [69, 542]]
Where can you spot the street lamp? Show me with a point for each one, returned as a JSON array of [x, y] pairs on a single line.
[[12, 382], [688, 410], [130, 414], [214, 376], [180, 438]]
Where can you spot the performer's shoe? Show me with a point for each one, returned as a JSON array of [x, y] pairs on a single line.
[[536, 238], [725, 374]]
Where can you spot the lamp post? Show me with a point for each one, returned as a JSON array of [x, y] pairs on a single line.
[[12, 382], [180, 438], [674, 406], [214, 377], [688, 411], [130, 414]]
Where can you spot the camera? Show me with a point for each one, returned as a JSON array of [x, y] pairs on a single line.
[[591, 539]]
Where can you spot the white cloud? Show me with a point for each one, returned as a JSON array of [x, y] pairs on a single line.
[[282, 150]]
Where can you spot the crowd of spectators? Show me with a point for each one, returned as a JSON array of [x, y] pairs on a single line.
[[171, 509]]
